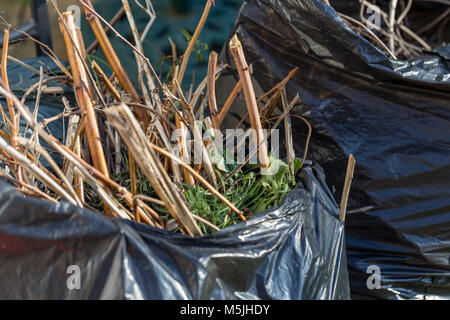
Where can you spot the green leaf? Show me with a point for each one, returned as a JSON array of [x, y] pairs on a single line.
[[297, 165], [185, 34], [199, 57]]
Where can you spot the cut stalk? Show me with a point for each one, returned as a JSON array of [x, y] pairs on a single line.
[[347, 185], [290, 152], [80, 79], [12, 113], [14, 119], [252, 106], [211, 90]]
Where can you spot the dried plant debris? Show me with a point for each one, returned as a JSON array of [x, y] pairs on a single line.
[[149, 153]]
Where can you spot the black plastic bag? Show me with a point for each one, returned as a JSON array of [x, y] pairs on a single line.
[[394, 116], [296, 251]]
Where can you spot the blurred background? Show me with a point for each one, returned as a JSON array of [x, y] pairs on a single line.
[[18, 13]]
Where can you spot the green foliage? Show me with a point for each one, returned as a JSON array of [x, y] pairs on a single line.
[[243, 191], [171, 71], [199, 46], [275, 186], [247, 190]]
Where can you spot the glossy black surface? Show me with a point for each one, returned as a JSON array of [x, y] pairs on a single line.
[[296, 251], [393, 116]]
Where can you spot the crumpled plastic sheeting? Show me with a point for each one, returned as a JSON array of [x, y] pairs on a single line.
[[296, 251], [394, 116]]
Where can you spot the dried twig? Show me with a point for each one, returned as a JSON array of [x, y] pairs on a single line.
[[32, 190], [140, 61], [89, 8], [151, 13], [48, 51], [384, 15], [34, 169], [373, 35], [32, 145], [23, 64]]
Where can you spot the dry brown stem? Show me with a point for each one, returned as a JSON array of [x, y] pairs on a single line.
[[252, 105], [229, 102], [347, 185], [211, 90]]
